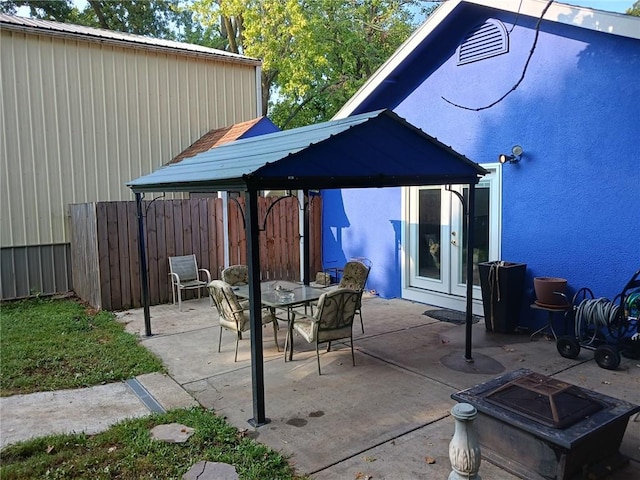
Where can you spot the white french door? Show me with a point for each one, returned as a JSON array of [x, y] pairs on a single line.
[[436, 238]]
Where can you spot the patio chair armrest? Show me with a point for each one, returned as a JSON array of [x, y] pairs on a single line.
[[302, 316], [174, 277], [208, 273]]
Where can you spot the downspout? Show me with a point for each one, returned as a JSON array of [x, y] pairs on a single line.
[[144, 280]]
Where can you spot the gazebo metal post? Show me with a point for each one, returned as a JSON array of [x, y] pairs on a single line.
[[471, 209], [255, 308], [306, 245], [144, 280]]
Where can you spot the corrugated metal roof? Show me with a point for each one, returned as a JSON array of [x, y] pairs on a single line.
[[375, 149], [96, 34]]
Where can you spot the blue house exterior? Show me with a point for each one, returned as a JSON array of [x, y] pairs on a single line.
[[483, 77]]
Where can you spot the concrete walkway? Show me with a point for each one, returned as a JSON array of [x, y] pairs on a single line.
[[88, 410], [383, 418]]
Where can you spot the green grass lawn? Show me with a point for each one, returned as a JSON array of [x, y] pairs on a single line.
[[48, 344], [126, 451]]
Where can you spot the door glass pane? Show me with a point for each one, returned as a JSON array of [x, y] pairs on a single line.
[[429, 228], [481, 233]]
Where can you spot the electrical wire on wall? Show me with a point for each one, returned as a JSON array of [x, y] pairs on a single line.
[[515, 21], [524, 70]]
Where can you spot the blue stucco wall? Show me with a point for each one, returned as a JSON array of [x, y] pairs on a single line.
[[571, 207], [364, 223]]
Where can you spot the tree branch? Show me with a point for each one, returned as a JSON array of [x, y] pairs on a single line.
[[95, 4]]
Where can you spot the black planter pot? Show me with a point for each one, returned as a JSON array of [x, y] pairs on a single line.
[[502, 285]]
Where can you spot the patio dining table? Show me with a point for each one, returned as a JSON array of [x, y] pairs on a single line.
[[273, 293], [284, 295]]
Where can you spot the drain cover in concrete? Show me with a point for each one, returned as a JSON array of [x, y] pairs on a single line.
[[211, 471], [172, 433]]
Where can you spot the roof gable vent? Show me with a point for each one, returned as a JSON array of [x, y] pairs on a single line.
[[484, 41]]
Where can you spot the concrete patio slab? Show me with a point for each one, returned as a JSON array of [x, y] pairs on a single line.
[[387, 414]]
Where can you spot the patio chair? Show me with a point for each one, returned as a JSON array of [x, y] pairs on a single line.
[[236, 275], [354, 276], [333, 320], [235, 318], [185, 275]]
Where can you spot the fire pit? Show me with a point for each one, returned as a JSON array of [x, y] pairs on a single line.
[[538, 427]]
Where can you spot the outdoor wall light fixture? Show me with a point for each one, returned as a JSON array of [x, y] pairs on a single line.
[[516, 153]]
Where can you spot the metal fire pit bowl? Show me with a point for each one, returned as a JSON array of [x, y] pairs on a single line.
[[522, 426]]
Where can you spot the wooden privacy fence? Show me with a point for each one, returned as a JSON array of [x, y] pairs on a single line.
[[104, 244]]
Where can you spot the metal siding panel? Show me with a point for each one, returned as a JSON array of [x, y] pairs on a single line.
[[86, 126], [101, 159], [92, 112], [31, 153], [62, 267], [7, 274], [80, 120], [142, 105], [58, 143], [21, 278], [76, 181], [120, 118], [110, 115], [9, 144], [13, 214], [191, 129], [168, 123], [229, 100], [133, 126], [42, 269]]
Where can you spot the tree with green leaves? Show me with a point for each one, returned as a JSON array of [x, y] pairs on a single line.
[[315, 53], [154, 18], [634, 10]]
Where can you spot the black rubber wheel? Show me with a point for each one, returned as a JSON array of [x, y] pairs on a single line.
[[568, 347], [607, 357]]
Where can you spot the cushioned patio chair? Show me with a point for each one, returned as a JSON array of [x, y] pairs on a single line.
[[185, 275], [236, 275], [333, 320], [354, 276], [233, 316]]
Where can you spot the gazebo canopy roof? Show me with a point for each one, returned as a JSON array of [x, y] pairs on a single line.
[[376, 149]]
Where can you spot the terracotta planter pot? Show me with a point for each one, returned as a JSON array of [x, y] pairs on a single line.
[[545, 288]]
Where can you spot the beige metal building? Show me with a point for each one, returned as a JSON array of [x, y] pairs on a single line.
[[84, 111]]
